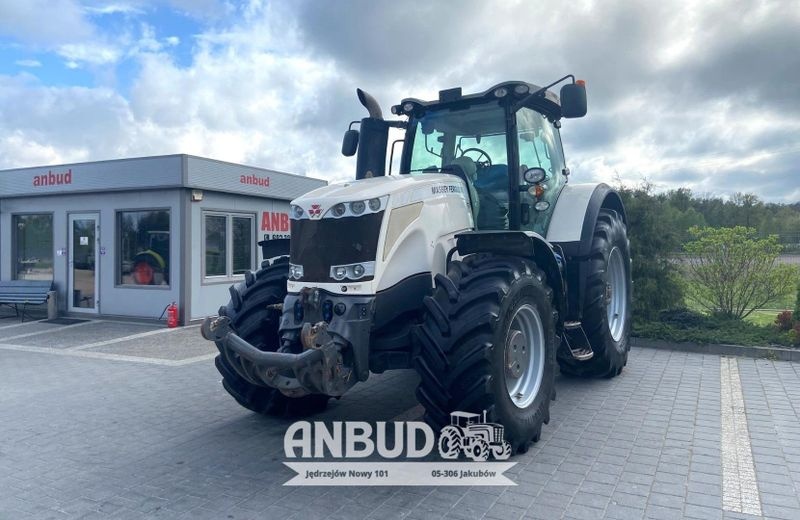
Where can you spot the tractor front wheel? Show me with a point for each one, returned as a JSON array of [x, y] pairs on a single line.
[[255, 321], [488, 342]]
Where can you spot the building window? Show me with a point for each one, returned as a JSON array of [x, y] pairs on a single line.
[[33, 246], [143, 238], [228, 246], [216, 239]]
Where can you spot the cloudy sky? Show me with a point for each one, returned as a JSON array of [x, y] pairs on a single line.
[[698, 94]]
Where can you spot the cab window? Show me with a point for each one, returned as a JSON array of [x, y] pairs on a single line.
[[539, 146]]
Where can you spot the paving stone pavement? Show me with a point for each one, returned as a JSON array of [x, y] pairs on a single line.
[[99, 438]]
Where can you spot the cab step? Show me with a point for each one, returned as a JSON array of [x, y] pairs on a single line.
[[577, 342]]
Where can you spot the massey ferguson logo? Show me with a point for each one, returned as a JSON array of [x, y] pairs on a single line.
[[445, 188], [315, 211]]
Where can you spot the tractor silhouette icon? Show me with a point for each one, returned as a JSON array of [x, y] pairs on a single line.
[[474, 437]]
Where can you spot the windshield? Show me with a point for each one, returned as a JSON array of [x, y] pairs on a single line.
[[477, 132]]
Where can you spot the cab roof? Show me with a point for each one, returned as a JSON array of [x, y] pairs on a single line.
[[548, 103]]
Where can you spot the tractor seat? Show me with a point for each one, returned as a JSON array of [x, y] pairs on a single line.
[[466, 170]]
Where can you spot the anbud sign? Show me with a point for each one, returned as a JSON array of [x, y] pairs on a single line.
[[339, 443], [53, 179], [353, 439]]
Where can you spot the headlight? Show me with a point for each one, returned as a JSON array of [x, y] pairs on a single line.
[[353, 271], [357, 208], [295, 271], [297, 212], [338, 210]]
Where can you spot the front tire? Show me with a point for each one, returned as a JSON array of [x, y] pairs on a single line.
[[607, 304], [256, 323], [464, 344]]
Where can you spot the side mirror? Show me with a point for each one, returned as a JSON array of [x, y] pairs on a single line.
[[573, 100], [534, 175], [350, 143]]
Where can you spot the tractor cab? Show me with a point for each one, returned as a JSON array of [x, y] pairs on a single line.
[[503, 143], [464, 419]]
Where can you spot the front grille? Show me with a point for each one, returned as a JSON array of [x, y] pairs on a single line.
[[319, 244]]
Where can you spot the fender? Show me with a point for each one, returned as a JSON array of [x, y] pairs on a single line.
[[571, 228], [526, 244], [575, 216]]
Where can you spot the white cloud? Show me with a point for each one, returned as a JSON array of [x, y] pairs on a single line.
[[92, 53], [28, 63], [44, 22]]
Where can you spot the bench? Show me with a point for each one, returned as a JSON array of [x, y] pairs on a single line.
[[14, 293]]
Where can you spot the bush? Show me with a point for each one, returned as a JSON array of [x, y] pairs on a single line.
[[683, 318], [794, 334], [784, 320], [732, 272], [797, 304]]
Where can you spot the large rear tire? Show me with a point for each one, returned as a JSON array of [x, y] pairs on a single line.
[[255, 322], [484, 307], [607, 304]]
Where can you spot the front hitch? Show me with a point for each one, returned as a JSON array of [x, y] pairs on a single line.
[[219, 330], [318, 369]]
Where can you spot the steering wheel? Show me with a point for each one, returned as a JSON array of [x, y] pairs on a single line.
[[481, 153]]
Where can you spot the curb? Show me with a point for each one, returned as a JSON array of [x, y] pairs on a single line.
[[776, 353]]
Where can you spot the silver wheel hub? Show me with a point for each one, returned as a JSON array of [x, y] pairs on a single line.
[[616, 296], [524, 356]]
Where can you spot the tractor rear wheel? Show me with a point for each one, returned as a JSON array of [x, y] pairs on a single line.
[[607, 304], [257, 324], [488, 342]]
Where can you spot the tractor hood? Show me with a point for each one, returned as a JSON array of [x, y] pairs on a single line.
[[402, 189], [364, 236]]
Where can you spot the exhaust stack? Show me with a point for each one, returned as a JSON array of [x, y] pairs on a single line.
[[370, 104]]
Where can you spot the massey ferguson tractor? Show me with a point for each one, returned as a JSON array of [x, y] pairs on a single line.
[[478, 264]]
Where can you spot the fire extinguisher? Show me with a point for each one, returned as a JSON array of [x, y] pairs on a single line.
[[172, 315]]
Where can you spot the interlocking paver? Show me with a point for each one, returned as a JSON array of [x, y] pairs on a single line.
[[88, 437]]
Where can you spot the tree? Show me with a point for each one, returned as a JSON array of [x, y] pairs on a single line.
[[732, 272], [653, 239]]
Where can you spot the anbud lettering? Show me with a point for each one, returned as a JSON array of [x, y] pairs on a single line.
[[354, 439], [53, 179], [255, 181], [273, 221]]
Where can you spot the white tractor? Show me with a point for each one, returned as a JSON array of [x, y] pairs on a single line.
[[479, 265]]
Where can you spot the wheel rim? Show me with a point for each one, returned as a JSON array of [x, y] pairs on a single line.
[[616, 294], [524, 356]]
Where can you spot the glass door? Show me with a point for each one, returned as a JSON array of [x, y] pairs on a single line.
[[83, 239]]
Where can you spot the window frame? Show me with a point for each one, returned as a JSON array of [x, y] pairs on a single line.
[[15, 248], [228, 277], [118, 251]]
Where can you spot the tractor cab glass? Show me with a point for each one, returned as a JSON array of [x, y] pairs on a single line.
[[474, 140], [539, 146]]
